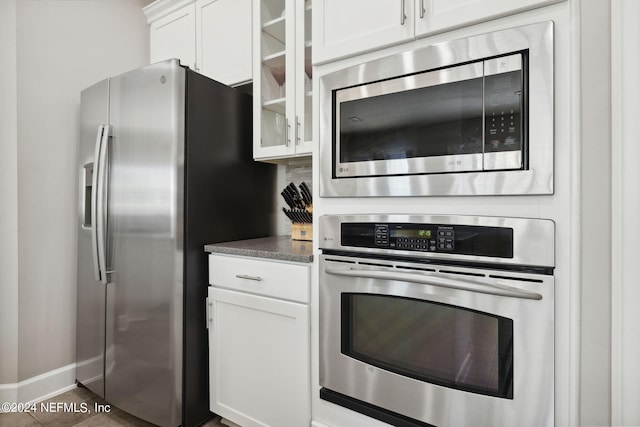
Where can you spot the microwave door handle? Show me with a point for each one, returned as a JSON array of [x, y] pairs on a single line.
[[425, 279]]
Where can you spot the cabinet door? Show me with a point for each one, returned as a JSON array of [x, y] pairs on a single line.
[[274, 81], [433, 16], [223, 33], [282, 76], [345, 28], [174, 37], [259, 359], [303, 120]]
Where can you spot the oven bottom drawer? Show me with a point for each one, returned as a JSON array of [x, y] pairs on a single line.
[[393, 418]]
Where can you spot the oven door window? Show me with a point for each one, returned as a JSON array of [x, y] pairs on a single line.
[[437, 343]]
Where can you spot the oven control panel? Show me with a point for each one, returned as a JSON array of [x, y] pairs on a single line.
[[439, 238], [421, 239]]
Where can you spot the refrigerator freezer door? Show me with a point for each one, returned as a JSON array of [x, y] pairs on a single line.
[[145, 225], [94, 114]]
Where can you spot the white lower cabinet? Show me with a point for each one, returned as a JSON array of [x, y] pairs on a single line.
[[259, 359]]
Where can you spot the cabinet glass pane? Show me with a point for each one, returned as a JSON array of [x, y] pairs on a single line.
[[308, 116], [273, 128], [272, 9], [273, 73]]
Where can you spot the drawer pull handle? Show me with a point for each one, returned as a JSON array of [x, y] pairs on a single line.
[[245, 276]]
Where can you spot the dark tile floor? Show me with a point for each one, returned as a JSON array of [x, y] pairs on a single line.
[[81, 399]]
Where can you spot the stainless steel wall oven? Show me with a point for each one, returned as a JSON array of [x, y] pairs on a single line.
[[438, 320], [468, 117]]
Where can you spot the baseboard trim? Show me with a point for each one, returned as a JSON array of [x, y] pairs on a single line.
[[40, 387]]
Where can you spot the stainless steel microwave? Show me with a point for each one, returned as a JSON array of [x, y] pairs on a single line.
[[472, 116]]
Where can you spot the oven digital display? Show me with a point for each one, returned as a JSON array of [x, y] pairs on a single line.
[[412, 233]]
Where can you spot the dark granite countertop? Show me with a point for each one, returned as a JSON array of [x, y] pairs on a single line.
[[279, 248]]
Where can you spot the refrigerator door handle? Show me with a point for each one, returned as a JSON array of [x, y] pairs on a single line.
[[94, 205], [100, 206]]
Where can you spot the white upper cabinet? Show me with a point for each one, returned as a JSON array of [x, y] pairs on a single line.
[[434, 16], [223, 37], [213, 37], [344, 28], [172, 35], [282, 79], [347, 28]]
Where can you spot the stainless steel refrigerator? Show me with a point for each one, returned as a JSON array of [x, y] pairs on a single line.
[[165, 167]]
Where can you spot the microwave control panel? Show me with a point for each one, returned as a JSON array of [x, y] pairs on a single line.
[[503, 103], [439, 238]]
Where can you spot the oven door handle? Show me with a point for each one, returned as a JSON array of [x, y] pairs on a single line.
[[425, 279]]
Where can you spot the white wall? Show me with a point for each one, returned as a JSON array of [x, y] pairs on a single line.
[[595, 148], [626, 205], [8, 197], [62, 46]]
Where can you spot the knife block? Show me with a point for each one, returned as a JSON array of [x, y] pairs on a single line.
[[301, 231]]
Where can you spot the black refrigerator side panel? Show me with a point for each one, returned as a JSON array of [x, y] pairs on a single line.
[[228, 197]]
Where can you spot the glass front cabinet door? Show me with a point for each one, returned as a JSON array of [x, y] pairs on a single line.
[[282, 79]]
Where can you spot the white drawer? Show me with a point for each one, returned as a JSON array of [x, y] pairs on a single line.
[[256, 276]]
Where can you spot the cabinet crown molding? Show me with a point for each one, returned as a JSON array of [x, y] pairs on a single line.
[[161, 8]]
